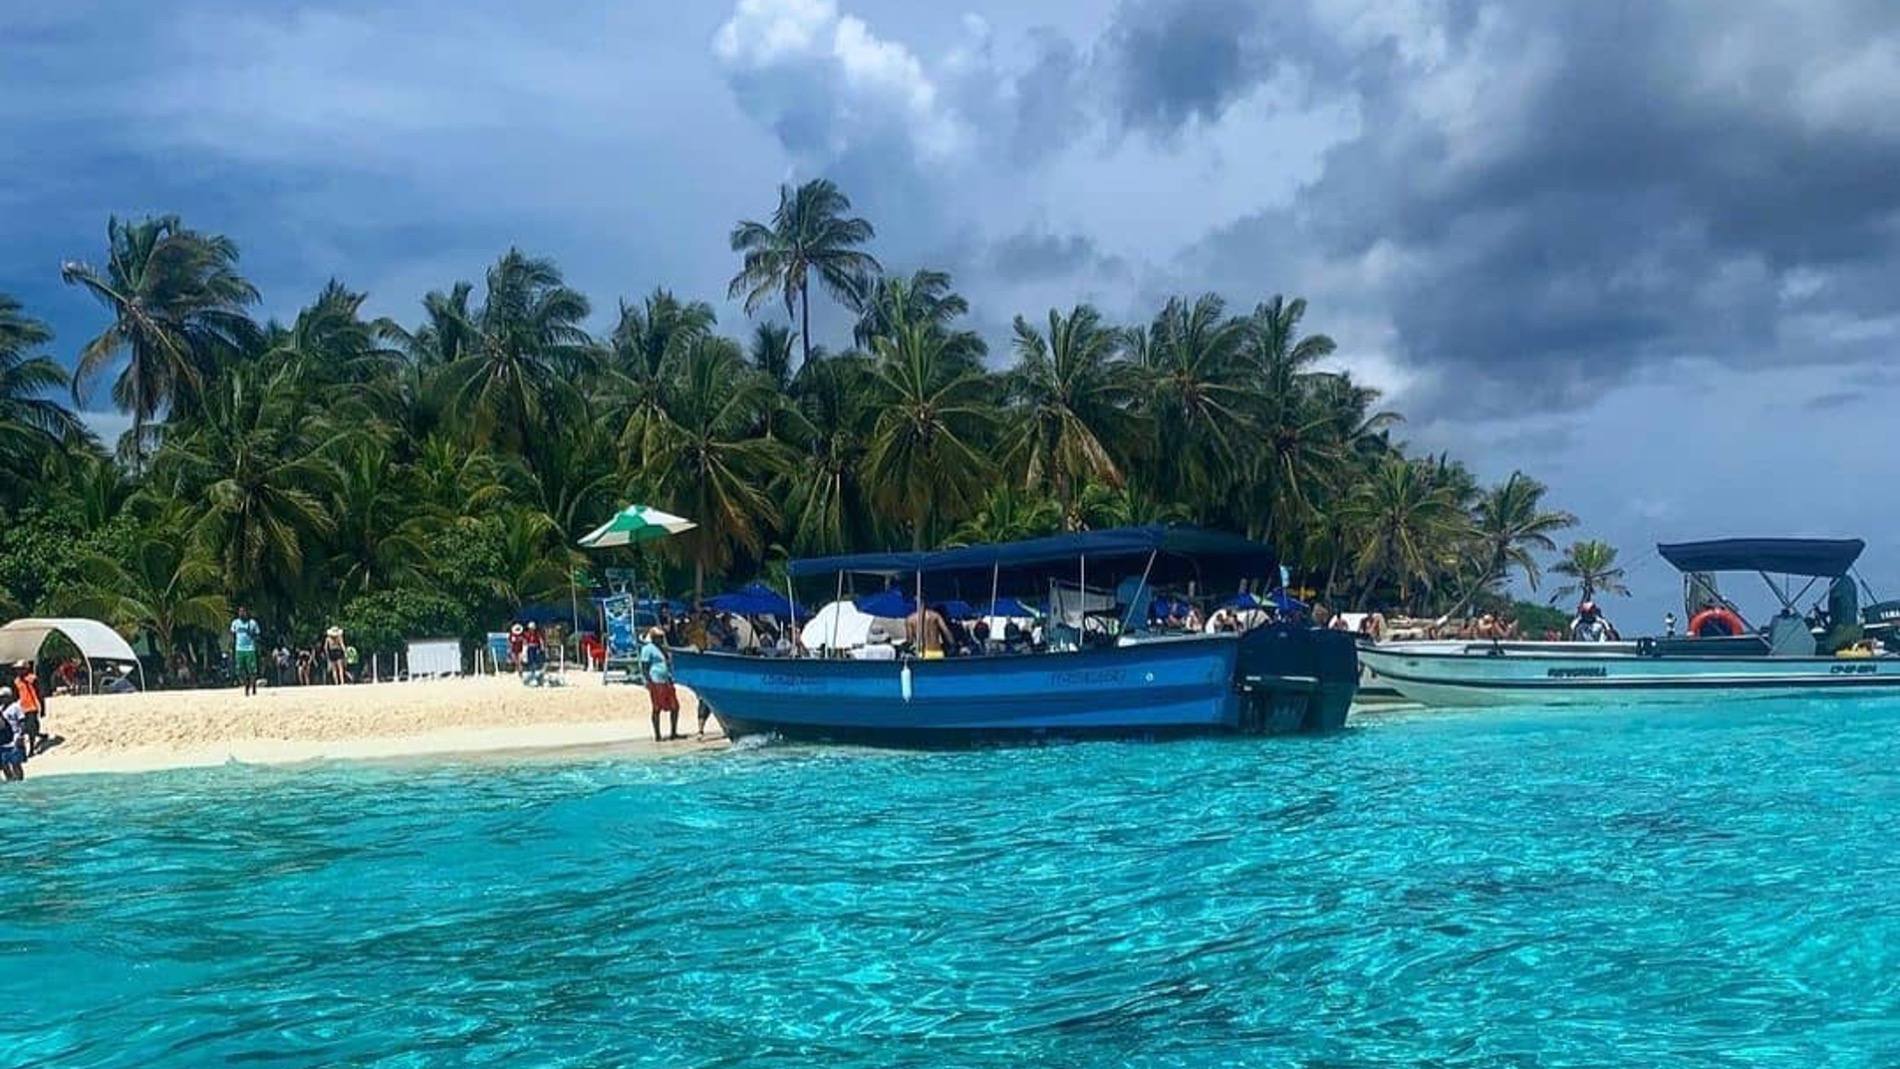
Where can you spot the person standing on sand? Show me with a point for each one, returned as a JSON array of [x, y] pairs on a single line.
[[12, 742], [26, 683], [244, 632], [534, 656], [657, 666], [333, 654]]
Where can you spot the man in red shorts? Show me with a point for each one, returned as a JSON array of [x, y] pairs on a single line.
[[657, 666]]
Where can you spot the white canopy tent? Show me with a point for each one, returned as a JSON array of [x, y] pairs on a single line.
[[21, 641]]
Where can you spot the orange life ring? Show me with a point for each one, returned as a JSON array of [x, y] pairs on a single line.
[[1730, 622]]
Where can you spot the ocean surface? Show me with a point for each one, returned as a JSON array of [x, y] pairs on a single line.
[[1711, 887]]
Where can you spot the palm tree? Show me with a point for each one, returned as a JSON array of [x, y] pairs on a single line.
[[1592, 564], [925, 462], [259, 460], [829, 423], [1399, 523], [177, 305], [167, 585], [809, 235], [1075, 395], [1511, 523], [643, 351], [32, 424], [381, 531], [925, 298], [1298, 446], [1009, 514], [709, 464], [771, 354], [529, 349], [1195, 393]]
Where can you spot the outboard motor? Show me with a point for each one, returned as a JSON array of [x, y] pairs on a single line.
[[1295, 678]]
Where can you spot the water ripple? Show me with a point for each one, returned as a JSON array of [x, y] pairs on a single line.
[[1707, 888]]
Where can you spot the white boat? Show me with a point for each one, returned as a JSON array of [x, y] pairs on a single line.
[[1779, 660]]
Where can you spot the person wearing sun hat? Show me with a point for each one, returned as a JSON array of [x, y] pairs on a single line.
[[657, 666], [334, 650]]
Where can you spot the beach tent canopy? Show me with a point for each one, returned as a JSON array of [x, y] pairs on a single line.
[[755, 599], [21, 640], [1824, 557], [1180, 554], [955, 610], [635, 525]]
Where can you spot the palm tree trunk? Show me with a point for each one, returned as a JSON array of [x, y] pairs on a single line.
[[804, 321]]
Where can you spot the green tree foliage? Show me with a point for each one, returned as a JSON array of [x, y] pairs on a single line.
[[1591, 567], [431, 477]]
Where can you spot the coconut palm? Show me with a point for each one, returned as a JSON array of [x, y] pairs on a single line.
[[1592, 566], [380, 536], [926, 463], [165, 586], [527, 352], [809, 235], [32, 424], [1399, 524], [1009, 513], [1074, 397], [177, 305], [1194, 391], [1511, 526], [926, 299], [828, 424], [1297, 445], [643, 352], [709, 465], [259, 459]]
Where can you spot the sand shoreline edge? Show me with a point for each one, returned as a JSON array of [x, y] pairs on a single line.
[[448, 718]]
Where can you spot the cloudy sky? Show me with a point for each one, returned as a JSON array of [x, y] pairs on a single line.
[[1647, 251]]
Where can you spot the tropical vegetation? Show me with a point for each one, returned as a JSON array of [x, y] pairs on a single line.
[[431, 471]]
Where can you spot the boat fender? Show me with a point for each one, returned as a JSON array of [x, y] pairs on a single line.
[[1730, 622], [903, 680]]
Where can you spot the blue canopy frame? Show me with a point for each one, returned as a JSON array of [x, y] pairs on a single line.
[[1825, 558], [1180, 554]]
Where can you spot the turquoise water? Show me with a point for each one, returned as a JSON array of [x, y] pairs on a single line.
[[1703, 888]]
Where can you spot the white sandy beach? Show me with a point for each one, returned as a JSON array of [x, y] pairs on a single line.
[[184, 729]]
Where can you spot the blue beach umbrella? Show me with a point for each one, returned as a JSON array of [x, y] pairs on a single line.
[[889, 603], [754, 599], [955, 610]]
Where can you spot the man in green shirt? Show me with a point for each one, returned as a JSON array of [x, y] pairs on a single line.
[[244, 632]]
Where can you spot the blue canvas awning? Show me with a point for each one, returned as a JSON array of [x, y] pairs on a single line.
[[1824, 557], [1180, 554], [754, 599], [890, 604]]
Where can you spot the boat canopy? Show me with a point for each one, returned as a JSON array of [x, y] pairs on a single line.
[[1180, 554], [1823, 557]]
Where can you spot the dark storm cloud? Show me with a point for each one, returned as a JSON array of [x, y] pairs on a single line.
[[1624, 184], [1182, 60], [1037, 254]]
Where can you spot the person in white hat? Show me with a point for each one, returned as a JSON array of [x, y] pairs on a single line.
[[333, 652]]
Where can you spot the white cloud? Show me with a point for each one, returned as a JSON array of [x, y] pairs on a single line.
[[827, 81]]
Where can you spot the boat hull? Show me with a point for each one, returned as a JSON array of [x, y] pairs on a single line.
[[1151, 690], [1450, 678]]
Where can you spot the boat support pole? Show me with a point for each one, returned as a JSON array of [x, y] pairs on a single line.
[[1140, 590], [835, 613]]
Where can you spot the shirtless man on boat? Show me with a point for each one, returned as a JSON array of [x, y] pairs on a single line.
[[929, 632]]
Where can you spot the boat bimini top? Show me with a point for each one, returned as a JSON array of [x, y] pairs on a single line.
[[1816, 558]]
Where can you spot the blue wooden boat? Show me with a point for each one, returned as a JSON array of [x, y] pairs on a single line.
[[1122, 682]]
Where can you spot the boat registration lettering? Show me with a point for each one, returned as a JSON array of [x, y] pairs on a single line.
[[1852, 670], [787, 679], [1095, 678], [1597, 672]]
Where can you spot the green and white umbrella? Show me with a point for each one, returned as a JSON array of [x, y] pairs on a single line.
[[636, 525]]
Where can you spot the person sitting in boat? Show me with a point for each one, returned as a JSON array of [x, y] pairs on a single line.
[[1224, 621], [1590, 626]]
